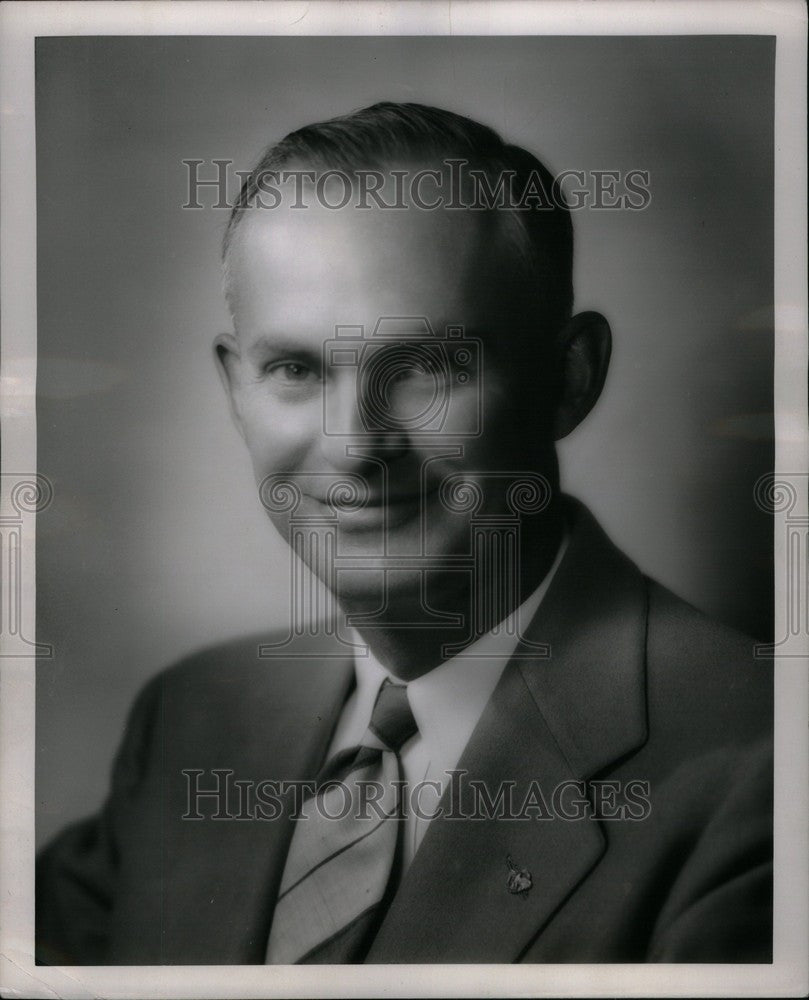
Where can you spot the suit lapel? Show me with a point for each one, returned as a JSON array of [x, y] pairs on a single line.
[[454, 904], [549, 721], [592, 687]]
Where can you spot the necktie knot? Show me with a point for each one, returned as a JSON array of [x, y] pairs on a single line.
[[392, 720]]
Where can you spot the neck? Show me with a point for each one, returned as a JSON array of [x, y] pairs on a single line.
[[411, 646]]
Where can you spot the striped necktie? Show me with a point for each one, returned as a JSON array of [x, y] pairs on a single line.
[[340, 872]]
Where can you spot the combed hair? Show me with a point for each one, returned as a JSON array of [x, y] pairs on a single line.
[[388, 134]]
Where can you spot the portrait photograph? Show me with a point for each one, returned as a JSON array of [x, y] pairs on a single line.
[[404, 499]]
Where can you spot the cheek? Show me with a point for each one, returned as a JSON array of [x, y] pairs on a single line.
[[512, 436], [505, 427], [279, 437]]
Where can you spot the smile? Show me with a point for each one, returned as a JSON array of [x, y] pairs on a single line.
[[380, 511]]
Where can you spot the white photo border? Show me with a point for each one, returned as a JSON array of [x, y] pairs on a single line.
[[20, 24]]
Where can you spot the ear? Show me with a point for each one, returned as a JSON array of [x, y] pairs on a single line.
[[227, 355], [585, 348]]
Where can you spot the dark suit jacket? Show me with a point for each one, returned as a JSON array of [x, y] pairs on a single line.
[[638, 685]]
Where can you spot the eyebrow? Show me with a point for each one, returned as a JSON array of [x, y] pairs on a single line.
[[281, 343], [270, 344]]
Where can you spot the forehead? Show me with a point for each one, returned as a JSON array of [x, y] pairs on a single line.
[[317, 267]]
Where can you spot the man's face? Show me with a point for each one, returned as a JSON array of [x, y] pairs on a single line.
[[386, 406]]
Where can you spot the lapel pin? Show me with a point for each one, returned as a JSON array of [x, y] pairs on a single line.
[[519, 879]]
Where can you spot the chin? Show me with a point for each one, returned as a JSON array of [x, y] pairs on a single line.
[[394, 599], [370, 583]]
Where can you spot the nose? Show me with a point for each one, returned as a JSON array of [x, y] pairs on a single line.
[[352, 434]]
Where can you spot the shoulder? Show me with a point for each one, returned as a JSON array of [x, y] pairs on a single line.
[[676, 621], [265, 653], [217, 682], [705, 682]]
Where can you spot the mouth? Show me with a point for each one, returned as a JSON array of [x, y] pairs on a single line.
[[382, 510]]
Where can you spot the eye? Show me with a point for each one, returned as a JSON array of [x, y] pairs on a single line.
[[290, 371], [409, 371]]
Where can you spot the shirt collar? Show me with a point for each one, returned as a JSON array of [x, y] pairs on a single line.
[[448, 701]]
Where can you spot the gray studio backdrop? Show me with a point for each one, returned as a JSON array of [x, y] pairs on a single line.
[[156, 543]]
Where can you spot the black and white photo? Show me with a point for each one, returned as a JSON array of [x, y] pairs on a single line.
[[417, 499]]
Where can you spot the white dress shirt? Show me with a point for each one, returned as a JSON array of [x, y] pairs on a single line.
[[447, 703]]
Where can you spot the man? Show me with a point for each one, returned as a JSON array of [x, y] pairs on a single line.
[[504, 744]]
